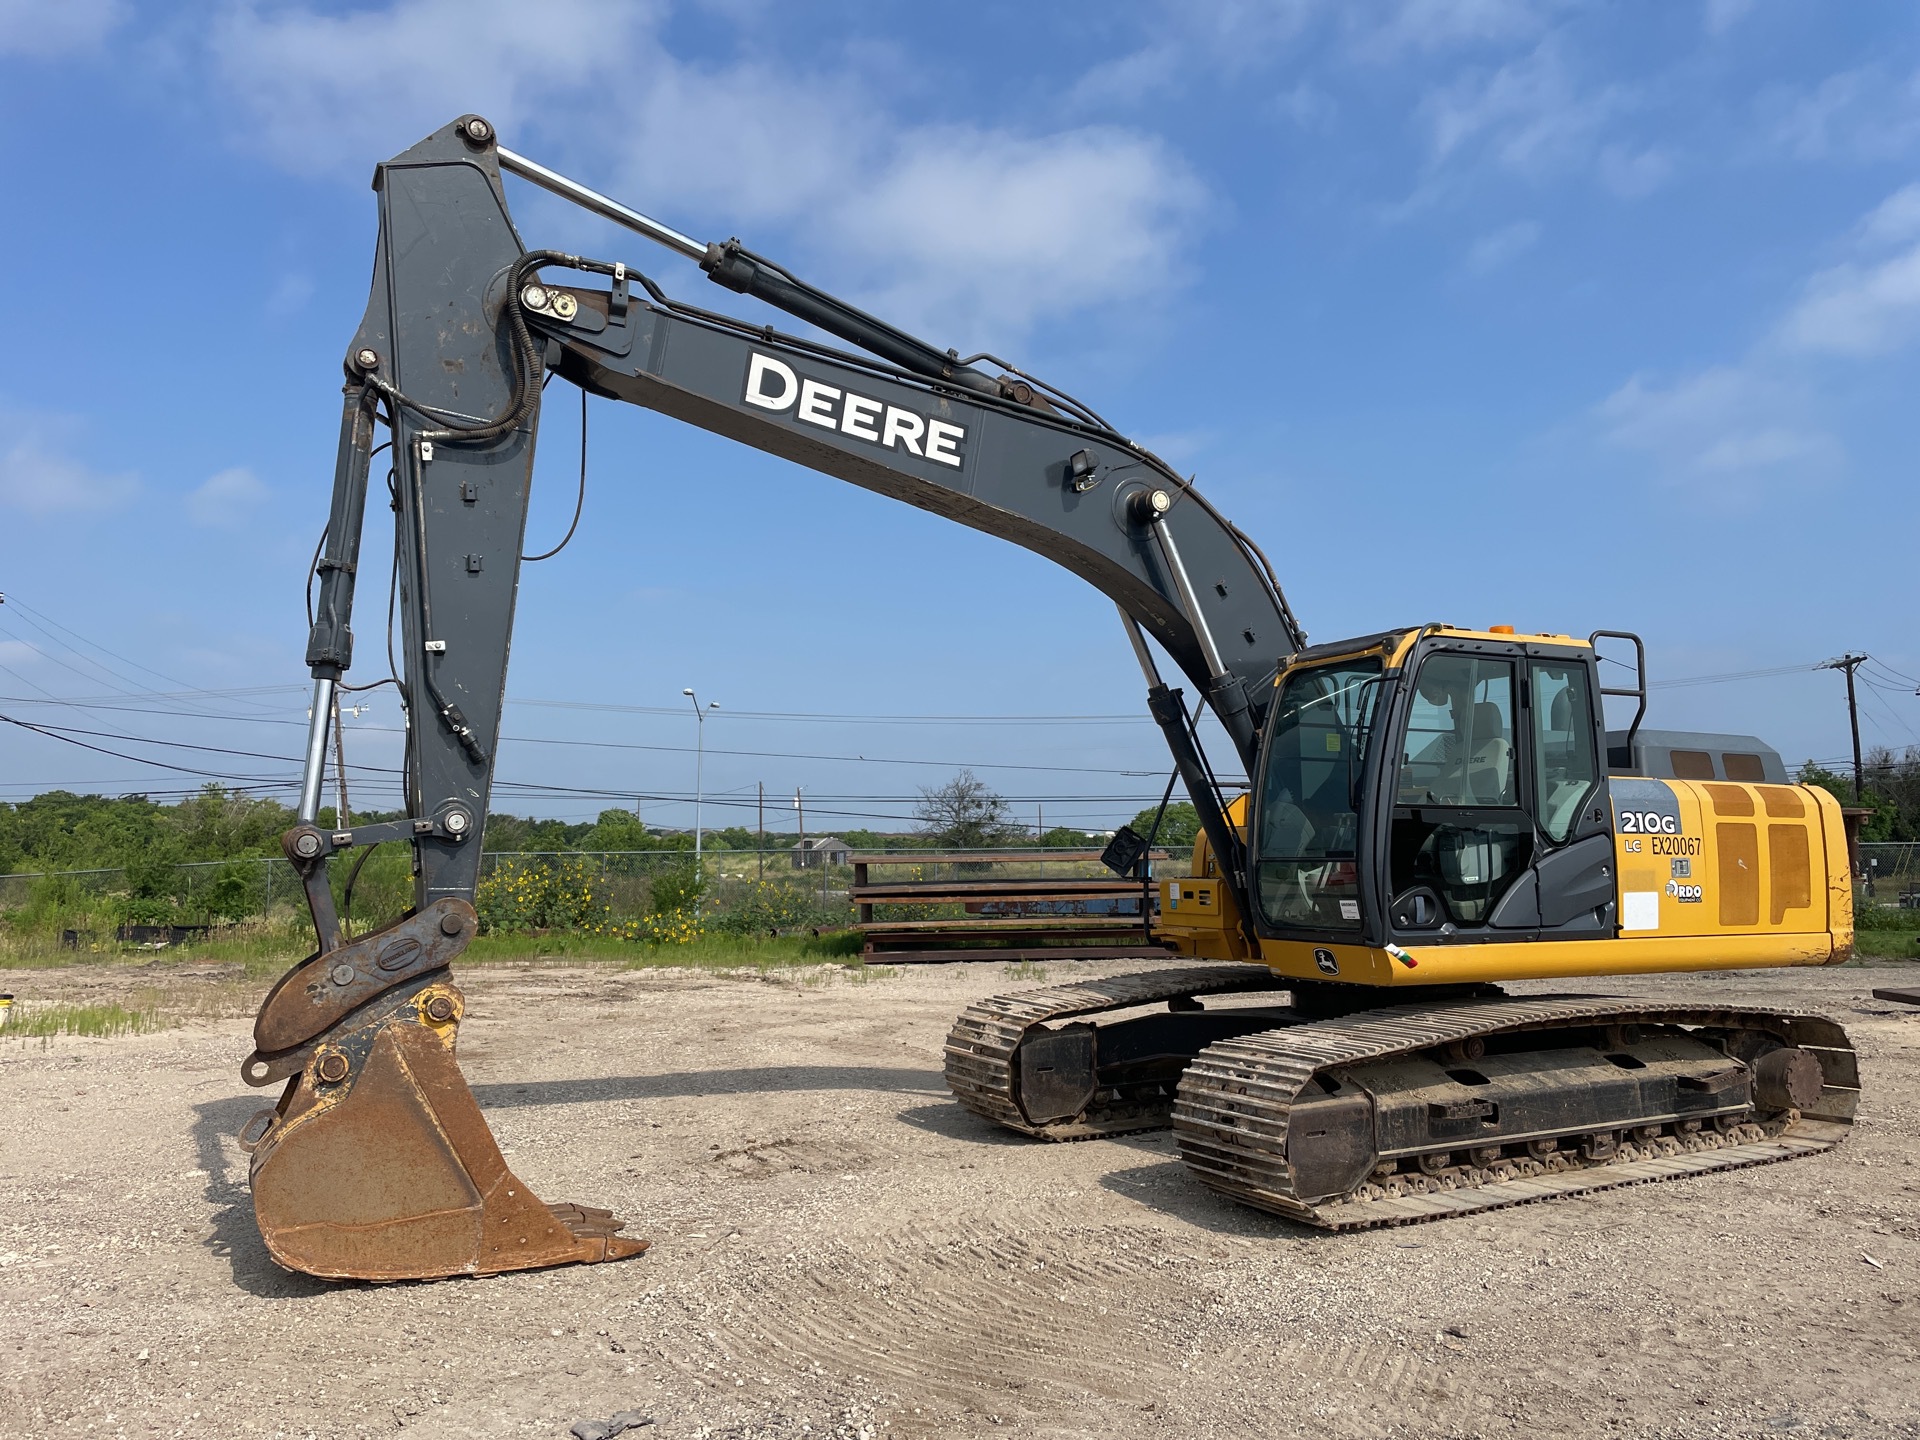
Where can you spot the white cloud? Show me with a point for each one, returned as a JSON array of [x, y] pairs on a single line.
[[1866, 114], [225, 500], [1307, 106], [17, 652], [289, 295], [980, 231], [1894, 221], [333, 92], [1721, 16], [39, 476], [1430, 25], [1192, 44], [1728, 424], [42, 29], [1869, 304], [1632, 174], [1497, 247], [1759, 418], [991, 218], [1529, 116], [1858, 309]]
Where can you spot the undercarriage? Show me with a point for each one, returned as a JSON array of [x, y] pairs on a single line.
[[1344, 1117]]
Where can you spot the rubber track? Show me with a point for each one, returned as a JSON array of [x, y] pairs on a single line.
[[1230, 1117], [981, 1046]]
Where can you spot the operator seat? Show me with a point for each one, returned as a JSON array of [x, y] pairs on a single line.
[[1490, 772]]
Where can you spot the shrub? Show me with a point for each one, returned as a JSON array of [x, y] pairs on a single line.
[[53, 903], [673, 927], [1869, 916], [761, 906], [231, 895], [543, 895], [144, 910], [675, 890]]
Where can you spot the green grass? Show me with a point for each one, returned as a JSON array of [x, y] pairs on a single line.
[[264, 951], [709, 952], [1887, 944], [1026, 970], [261, 950], [101, 1021]]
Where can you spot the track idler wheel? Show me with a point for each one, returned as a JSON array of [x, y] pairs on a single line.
[[377, 1163]]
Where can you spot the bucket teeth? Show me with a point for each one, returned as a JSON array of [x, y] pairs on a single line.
[[378, 1164]]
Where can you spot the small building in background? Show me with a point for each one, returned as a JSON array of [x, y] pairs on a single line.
[[819, 850]]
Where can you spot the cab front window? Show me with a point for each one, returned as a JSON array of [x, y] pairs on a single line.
[[1306, 864]]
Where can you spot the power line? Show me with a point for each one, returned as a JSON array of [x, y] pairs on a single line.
[[820, 717], [638, 746], [136, 759], [65, 732], [1730, 676], [46, 625], [1888, 711]]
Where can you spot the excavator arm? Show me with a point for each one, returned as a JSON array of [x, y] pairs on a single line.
[[377, 1163]]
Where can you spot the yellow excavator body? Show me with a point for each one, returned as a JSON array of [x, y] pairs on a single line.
[[1712, 875], [1774, 888]]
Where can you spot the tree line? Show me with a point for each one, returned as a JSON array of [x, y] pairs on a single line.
[[1891, 792], [60, 830]]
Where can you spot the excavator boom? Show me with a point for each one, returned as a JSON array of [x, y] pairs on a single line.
[[376, 1162]]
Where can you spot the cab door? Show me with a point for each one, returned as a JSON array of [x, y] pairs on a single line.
[[1500, 820]]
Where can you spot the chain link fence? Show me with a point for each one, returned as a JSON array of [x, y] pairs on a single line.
[[1892, 871], [779, 882]]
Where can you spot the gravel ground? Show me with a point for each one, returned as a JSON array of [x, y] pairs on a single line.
[[839, 1250]]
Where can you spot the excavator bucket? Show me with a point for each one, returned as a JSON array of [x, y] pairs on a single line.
[[377, 1163]]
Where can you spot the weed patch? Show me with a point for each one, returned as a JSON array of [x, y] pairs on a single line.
[[101, 1021]]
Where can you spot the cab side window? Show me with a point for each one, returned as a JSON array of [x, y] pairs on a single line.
[[1459, 746], [1566, 767]]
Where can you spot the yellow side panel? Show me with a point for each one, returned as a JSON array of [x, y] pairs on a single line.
[[1789, 870], [1197, 915], [1701, 858], [1738, 872]]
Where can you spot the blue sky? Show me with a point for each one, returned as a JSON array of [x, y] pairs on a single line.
[[1561, 315]]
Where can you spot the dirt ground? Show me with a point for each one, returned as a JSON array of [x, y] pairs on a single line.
[[840, 1250]]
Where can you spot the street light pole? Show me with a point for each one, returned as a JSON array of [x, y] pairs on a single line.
[[699, 769]]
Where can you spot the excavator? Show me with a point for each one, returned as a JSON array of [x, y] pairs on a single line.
[[1428, 813]]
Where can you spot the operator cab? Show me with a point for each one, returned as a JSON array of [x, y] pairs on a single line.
[[1436, 785]]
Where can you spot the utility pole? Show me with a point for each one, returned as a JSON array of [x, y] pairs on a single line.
[[760, 850], [340, 762], [699, 779], [1850, 663], [800, 847], [341, 820]]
